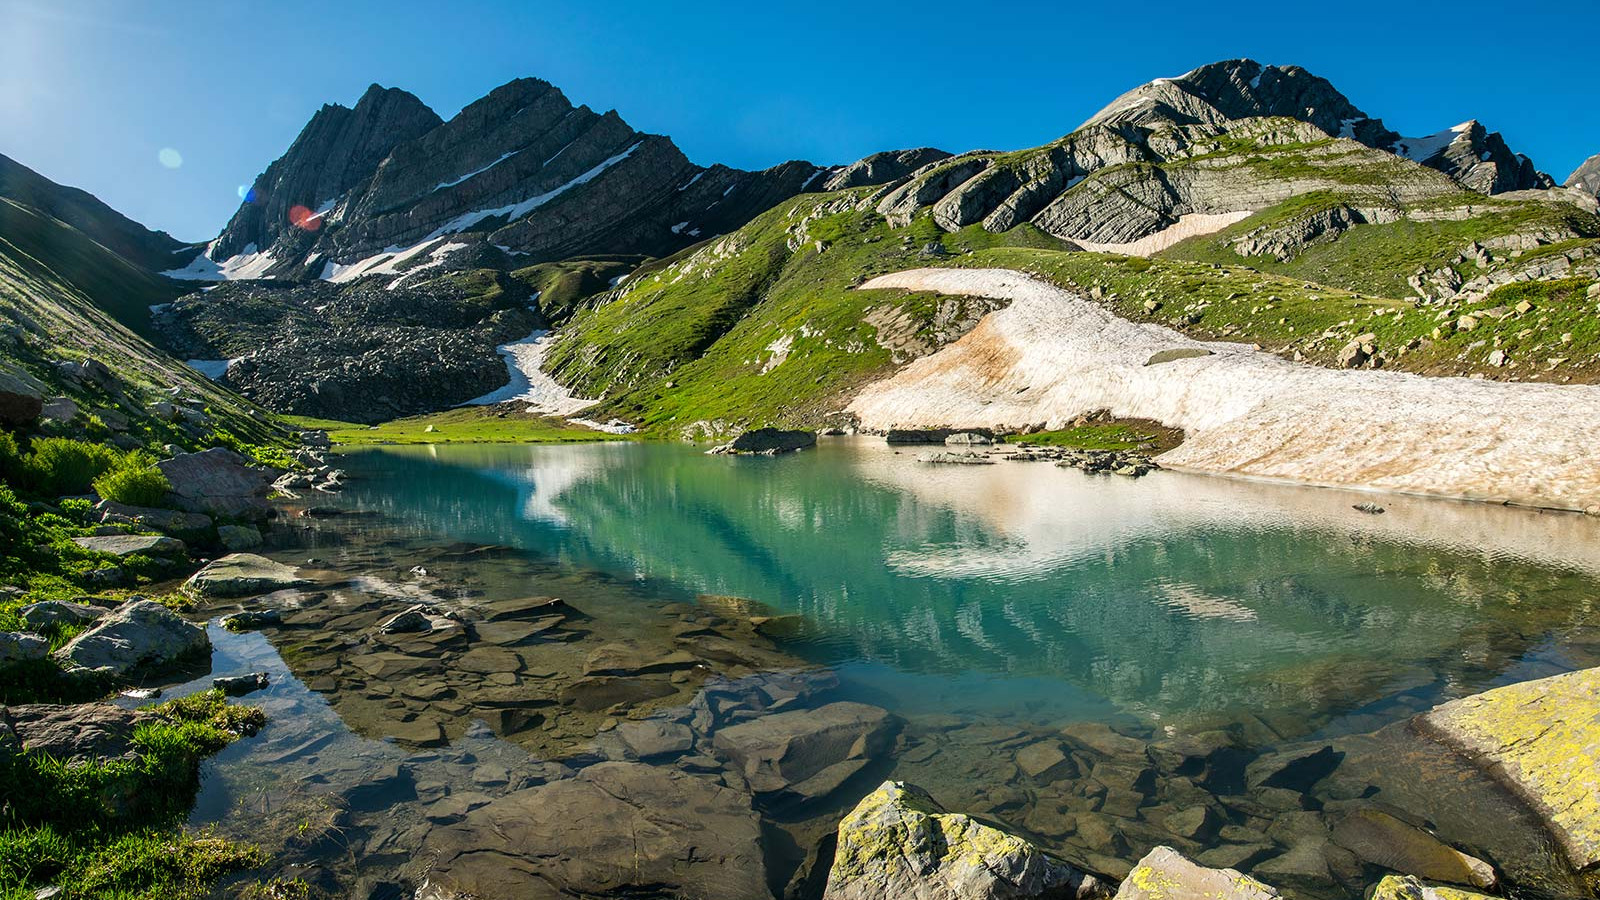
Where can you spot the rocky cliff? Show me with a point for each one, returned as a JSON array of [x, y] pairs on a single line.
[[521, 169], [1586, 177]]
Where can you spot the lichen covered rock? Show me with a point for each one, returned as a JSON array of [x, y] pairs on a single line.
[[1165, 874], [899, 843], [1542, 738]]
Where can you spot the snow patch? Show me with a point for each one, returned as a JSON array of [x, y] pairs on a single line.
[[690, 183], [435, 257], [1051, 356], [503, 157], [517, 210], [779, 351], [814, 176], [211, 368], [529, 383], [1422, 148], [678, 228], [247, 264]]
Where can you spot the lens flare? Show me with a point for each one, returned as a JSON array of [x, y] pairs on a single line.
[[301, 217], [170, 158]]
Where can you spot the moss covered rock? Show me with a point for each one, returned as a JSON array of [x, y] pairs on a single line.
[[900, 843]]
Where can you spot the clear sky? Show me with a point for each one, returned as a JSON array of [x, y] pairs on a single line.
[[93, 91]]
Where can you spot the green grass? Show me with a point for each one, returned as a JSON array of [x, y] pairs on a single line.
[[1378, 258], [763, 327], [564, 286], [113, 828], [467, 425], [1107, 436]]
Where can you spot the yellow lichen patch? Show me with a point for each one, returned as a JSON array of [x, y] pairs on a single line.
[[1543, 738]]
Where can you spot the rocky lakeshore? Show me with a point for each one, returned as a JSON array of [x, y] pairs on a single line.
[[454, 720]]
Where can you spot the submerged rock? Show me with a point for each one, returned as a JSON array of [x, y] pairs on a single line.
[[900, 844], [242, 575], [1165, 874], [239, 537], [616, 829], [1542, 739], [807, 753], [239, 685], [138, 635], [1383, 840]]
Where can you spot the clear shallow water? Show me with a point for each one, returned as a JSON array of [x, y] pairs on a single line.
[[1026, 588], [990, 608]]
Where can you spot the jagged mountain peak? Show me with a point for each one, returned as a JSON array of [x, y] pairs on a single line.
[[1476, 157], [1234, 89], [1586, 177]]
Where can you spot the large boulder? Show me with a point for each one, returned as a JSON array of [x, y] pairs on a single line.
[[900, 844], [805, 754], [218, 482], [1542, 738], [20, 400], [1165, 874], [769, 442], [617, 829], [242, 575], [48, 613], [136, 636]]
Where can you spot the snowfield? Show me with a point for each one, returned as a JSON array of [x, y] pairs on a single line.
[[1051, 356], [529, 383]]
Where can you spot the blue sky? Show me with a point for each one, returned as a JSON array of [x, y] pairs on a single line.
[[91, 93]]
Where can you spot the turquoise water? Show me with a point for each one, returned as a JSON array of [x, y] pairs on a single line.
[[1027, 591]]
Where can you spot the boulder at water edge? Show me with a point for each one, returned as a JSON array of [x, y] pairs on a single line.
[[899, 844], [770, 441], [242, 575], [138, 635], [1165, 874], [219, 482], [1542, 738], [1407, 887]]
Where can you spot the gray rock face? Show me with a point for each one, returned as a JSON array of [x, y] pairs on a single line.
[[1586, 177], [242, 575], [615, 830], [22, 646], [521, 165], [138, 635], [218, 482], [1165, 874], [807, 753], [1478, 159], [899, 844], [883, 168], [239, 537]]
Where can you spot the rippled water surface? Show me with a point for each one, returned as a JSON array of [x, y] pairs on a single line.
[[987, 607]]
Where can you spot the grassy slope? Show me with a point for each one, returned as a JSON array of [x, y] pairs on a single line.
[[694, 345], [1377, 259], [41, 244]]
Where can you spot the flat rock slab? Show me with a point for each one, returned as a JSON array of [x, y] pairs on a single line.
[[243, 575], [139, 635], [1542, 738], [129, 544], [70, 733], [1165, 874], [616, 829], [19, 646], [219, 482]]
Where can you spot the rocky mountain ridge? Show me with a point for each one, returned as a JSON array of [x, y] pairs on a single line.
[[1586, 177], [521, 169]]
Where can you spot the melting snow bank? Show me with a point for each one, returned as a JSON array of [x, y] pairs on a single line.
[[211, 368], [529, 383], [1051, 356]]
